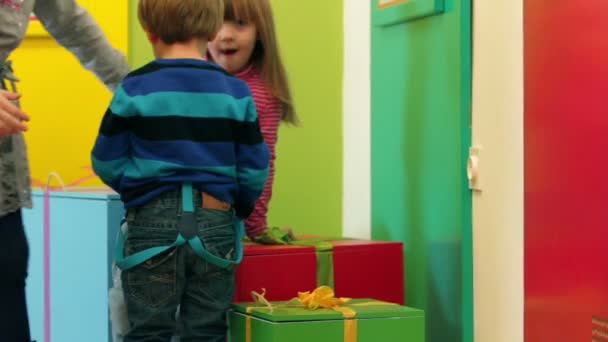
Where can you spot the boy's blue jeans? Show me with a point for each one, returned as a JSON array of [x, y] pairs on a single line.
[[178, 278]]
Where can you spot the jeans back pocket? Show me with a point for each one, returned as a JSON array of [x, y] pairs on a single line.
[[216, 229], [154, 281]]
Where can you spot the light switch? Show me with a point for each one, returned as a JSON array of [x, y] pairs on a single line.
[[473, 168]]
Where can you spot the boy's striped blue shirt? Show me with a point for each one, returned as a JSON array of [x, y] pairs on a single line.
[[182, 120]]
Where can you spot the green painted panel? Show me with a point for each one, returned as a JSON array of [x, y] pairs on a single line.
[[421, 95], [308, 183], [308, 190], [408, 10], [140, 51]]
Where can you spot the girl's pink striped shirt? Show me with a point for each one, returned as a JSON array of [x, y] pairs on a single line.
[[269, 115]]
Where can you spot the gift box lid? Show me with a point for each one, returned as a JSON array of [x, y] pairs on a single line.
[[364, 308], [251, 249], [311, 244], [363, 245], [92, 193], [337, 244]]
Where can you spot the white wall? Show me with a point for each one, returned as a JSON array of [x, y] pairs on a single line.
[[356, 212], [498, 215]]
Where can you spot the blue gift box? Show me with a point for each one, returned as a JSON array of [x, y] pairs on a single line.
[[73, 285]]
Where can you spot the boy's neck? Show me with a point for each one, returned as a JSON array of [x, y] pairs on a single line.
[[193, 49]]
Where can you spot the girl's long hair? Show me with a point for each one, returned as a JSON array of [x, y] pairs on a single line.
[[266, 56]]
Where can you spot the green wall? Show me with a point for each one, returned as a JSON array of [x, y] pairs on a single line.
[[421, 96], [140, 51], [308, 184]]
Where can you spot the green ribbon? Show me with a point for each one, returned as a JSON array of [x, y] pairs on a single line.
[[273, 236], [325, 267], [323, 248]]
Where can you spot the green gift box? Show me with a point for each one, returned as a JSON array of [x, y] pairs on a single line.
[[373, 321]]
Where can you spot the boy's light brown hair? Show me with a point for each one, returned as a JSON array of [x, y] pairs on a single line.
[[176, 21]]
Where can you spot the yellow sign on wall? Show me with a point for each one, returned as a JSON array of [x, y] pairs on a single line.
[[64, 101]]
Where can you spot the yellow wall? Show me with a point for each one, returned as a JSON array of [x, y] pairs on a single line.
[[65, 101]]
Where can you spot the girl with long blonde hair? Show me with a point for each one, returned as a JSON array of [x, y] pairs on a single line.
[[247, 47]]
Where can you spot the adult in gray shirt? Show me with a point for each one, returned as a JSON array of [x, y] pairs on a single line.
[[73, 28]]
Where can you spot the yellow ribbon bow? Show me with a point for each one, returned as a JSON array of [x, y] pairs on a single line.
[[321, 297], [260, 298], [324, 297]]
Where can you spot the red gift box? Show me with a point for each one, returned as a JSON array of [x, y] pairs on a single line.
[[361, 269]]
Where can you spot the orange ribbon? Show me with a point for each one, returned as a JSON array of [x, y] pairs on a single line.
[[46, 185]]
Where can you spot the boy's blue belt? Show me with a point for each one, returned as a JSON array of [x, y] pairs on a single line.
[[187, 234]]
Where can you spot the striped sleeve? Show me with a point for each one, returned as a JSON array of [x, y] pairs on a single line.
[[110, 155], [269, 113], [252, 167]]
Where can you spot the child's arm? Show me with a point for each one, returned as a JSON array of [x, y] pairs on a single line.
[[252, 157], [111, 153]]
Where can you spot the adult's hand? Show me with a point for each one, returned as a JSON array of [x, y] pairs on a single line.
[[11, 117]]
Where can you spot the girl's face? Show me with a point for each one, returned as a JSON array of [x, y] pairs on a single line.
[[233, 45]]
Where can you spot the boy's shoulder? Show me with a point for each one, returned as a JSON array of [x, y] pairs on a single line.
[[176, 65], [189, 70]]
